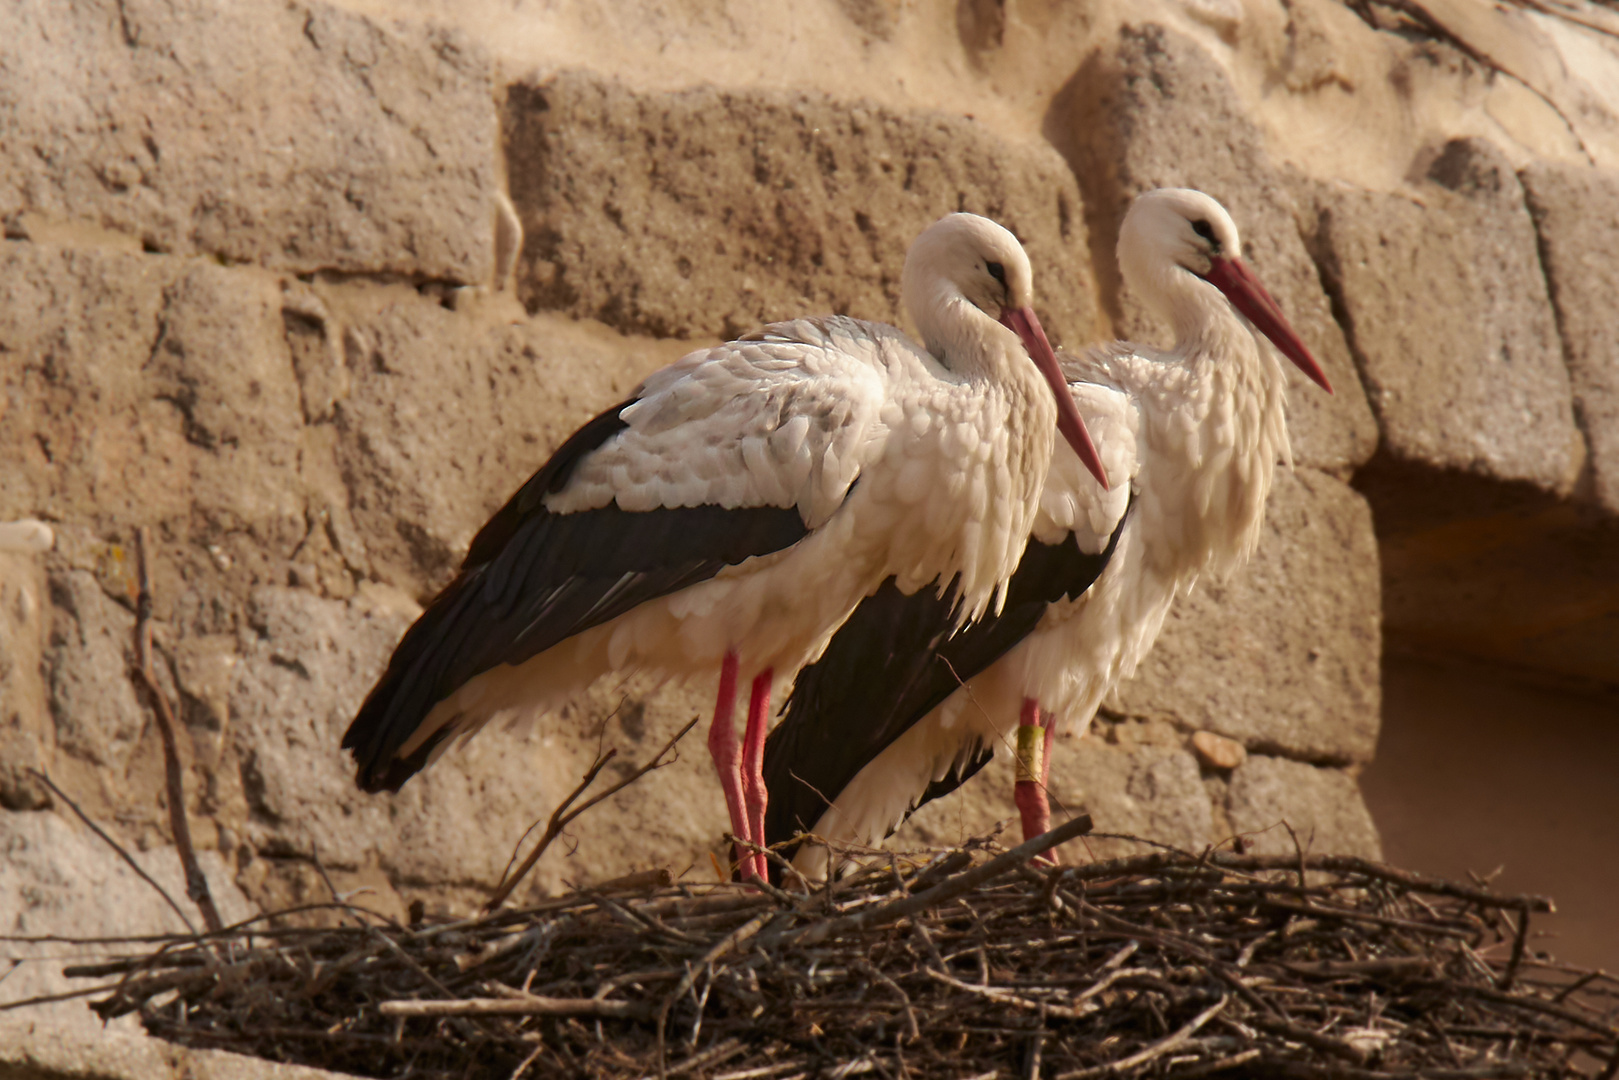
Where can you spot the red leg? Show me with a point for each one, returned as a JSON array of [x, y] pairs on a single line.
[[723, 748], [1033, 742], [753, 760]]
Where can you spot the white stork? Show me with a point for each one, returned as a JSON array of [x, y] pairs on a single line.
[[739, 505], [882, 723]]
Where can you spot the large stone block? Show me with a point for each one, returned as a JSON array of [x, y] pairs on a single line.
[[27, 738], [1284, 657], [56, 878], [1446, 308], [1576, 212], [707, 212], [1157, 111], [290, 135], [1323, 807]]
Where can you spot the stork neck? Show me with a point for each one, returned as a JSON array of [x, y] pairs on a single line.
[[965, 340]]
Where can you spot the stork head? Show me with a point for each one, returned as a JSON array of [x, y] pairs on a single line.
[[1174, 235], [965, 271]]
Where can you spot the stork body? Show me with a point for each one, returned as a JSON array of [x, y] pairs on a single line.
[[882, 722], [735, 510]]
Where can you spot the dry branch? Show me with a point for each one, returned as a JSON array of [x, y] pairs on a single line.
[[562, 816], [196, 881]]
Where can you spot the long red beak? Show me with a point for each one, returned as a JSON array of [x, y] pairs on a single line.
[[1247, 295], [1022, 322]]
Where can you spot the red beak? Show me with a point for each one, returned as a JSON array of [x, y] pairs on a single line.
[[1247, 295], [1022, 322]]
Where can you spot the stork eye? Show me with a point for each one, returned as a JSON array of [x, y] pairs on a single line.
[[996, 271], [1202, 227]]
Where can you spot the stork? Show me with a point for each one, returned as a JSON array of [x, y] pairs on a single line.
[[900, 709], [734, 510]]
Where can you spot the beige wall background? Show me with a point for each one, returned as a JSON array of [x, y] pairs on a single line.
[[308, 288]]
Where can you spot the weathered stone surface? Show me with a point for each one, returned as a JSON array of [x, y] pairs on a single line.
[[707, 212], [125, 411], [58, 878], [1576, 214], [1446, 309], [35, 1049], [1157, 111], [26, 735], [1323, 806], [1283, 658], [93, 701], [293, 136]]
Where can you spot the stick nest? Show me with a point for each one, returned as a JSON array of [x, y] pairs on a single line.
[[968, 963]]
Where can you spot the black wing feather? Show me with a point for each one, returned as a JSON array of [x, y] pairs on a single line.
[[890, 665], [532, 579]]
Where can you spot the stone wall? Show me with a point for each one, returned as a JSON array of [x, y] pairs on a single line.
[[308, 289]]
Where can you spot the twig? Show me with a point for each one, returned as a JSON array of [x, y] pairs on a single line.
[[562, 817], [530, 1006], [1156, 1050], [122, 854], [196, 880]]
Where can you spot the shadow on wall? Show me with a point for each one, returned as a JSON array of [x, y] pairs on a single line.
[[1476, 772]]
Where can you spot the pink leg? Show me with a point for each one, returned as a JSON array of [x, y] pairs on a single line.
[[753, 760], [722, 747], [1034, 741]]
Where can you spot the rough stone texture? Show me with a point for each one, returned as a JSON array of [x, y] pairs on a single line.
[[288, 135], [34, 1049], [1323, 806], [1284, 657], [707, 212], [93, 700], [26, 737], [1447, 312], [1157, 111], [58, 878], [1576, 214]]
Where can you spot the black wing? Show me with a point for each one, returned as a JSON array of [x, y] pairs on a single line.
[[890, 665], [532, 579]]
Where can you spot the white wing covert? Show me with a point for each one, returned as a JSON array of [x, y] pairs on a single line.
[[781, 418]]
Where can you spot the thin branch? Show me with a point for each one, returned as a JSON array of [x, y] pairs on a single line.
[[562, 817], [196, 881], [122, 854]]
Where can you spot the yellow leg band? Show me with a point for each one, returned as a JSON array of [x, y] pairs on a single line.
[[1031, 744]]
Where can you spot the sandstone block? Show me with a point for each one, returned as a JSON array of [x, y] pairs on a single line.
[[1447, 311], [706, 212], [1157, 111], [27, 737], [1323, 806], [58, 878], [1284, 657], [98, 718], [293, 136], [1576, 214]]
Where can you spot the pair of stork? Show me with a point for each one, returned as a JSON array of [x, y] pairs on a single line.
[[752, 499]]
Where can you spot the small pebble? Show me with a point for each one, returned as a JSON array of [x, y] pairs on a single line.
[[1217, 751]]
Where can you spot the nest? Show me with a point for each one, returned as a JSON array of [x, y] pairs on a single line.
[[971, 962]]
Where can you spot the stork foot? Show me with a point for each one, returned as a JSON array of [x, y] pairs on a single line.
[[755, 793], [727, 754]]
